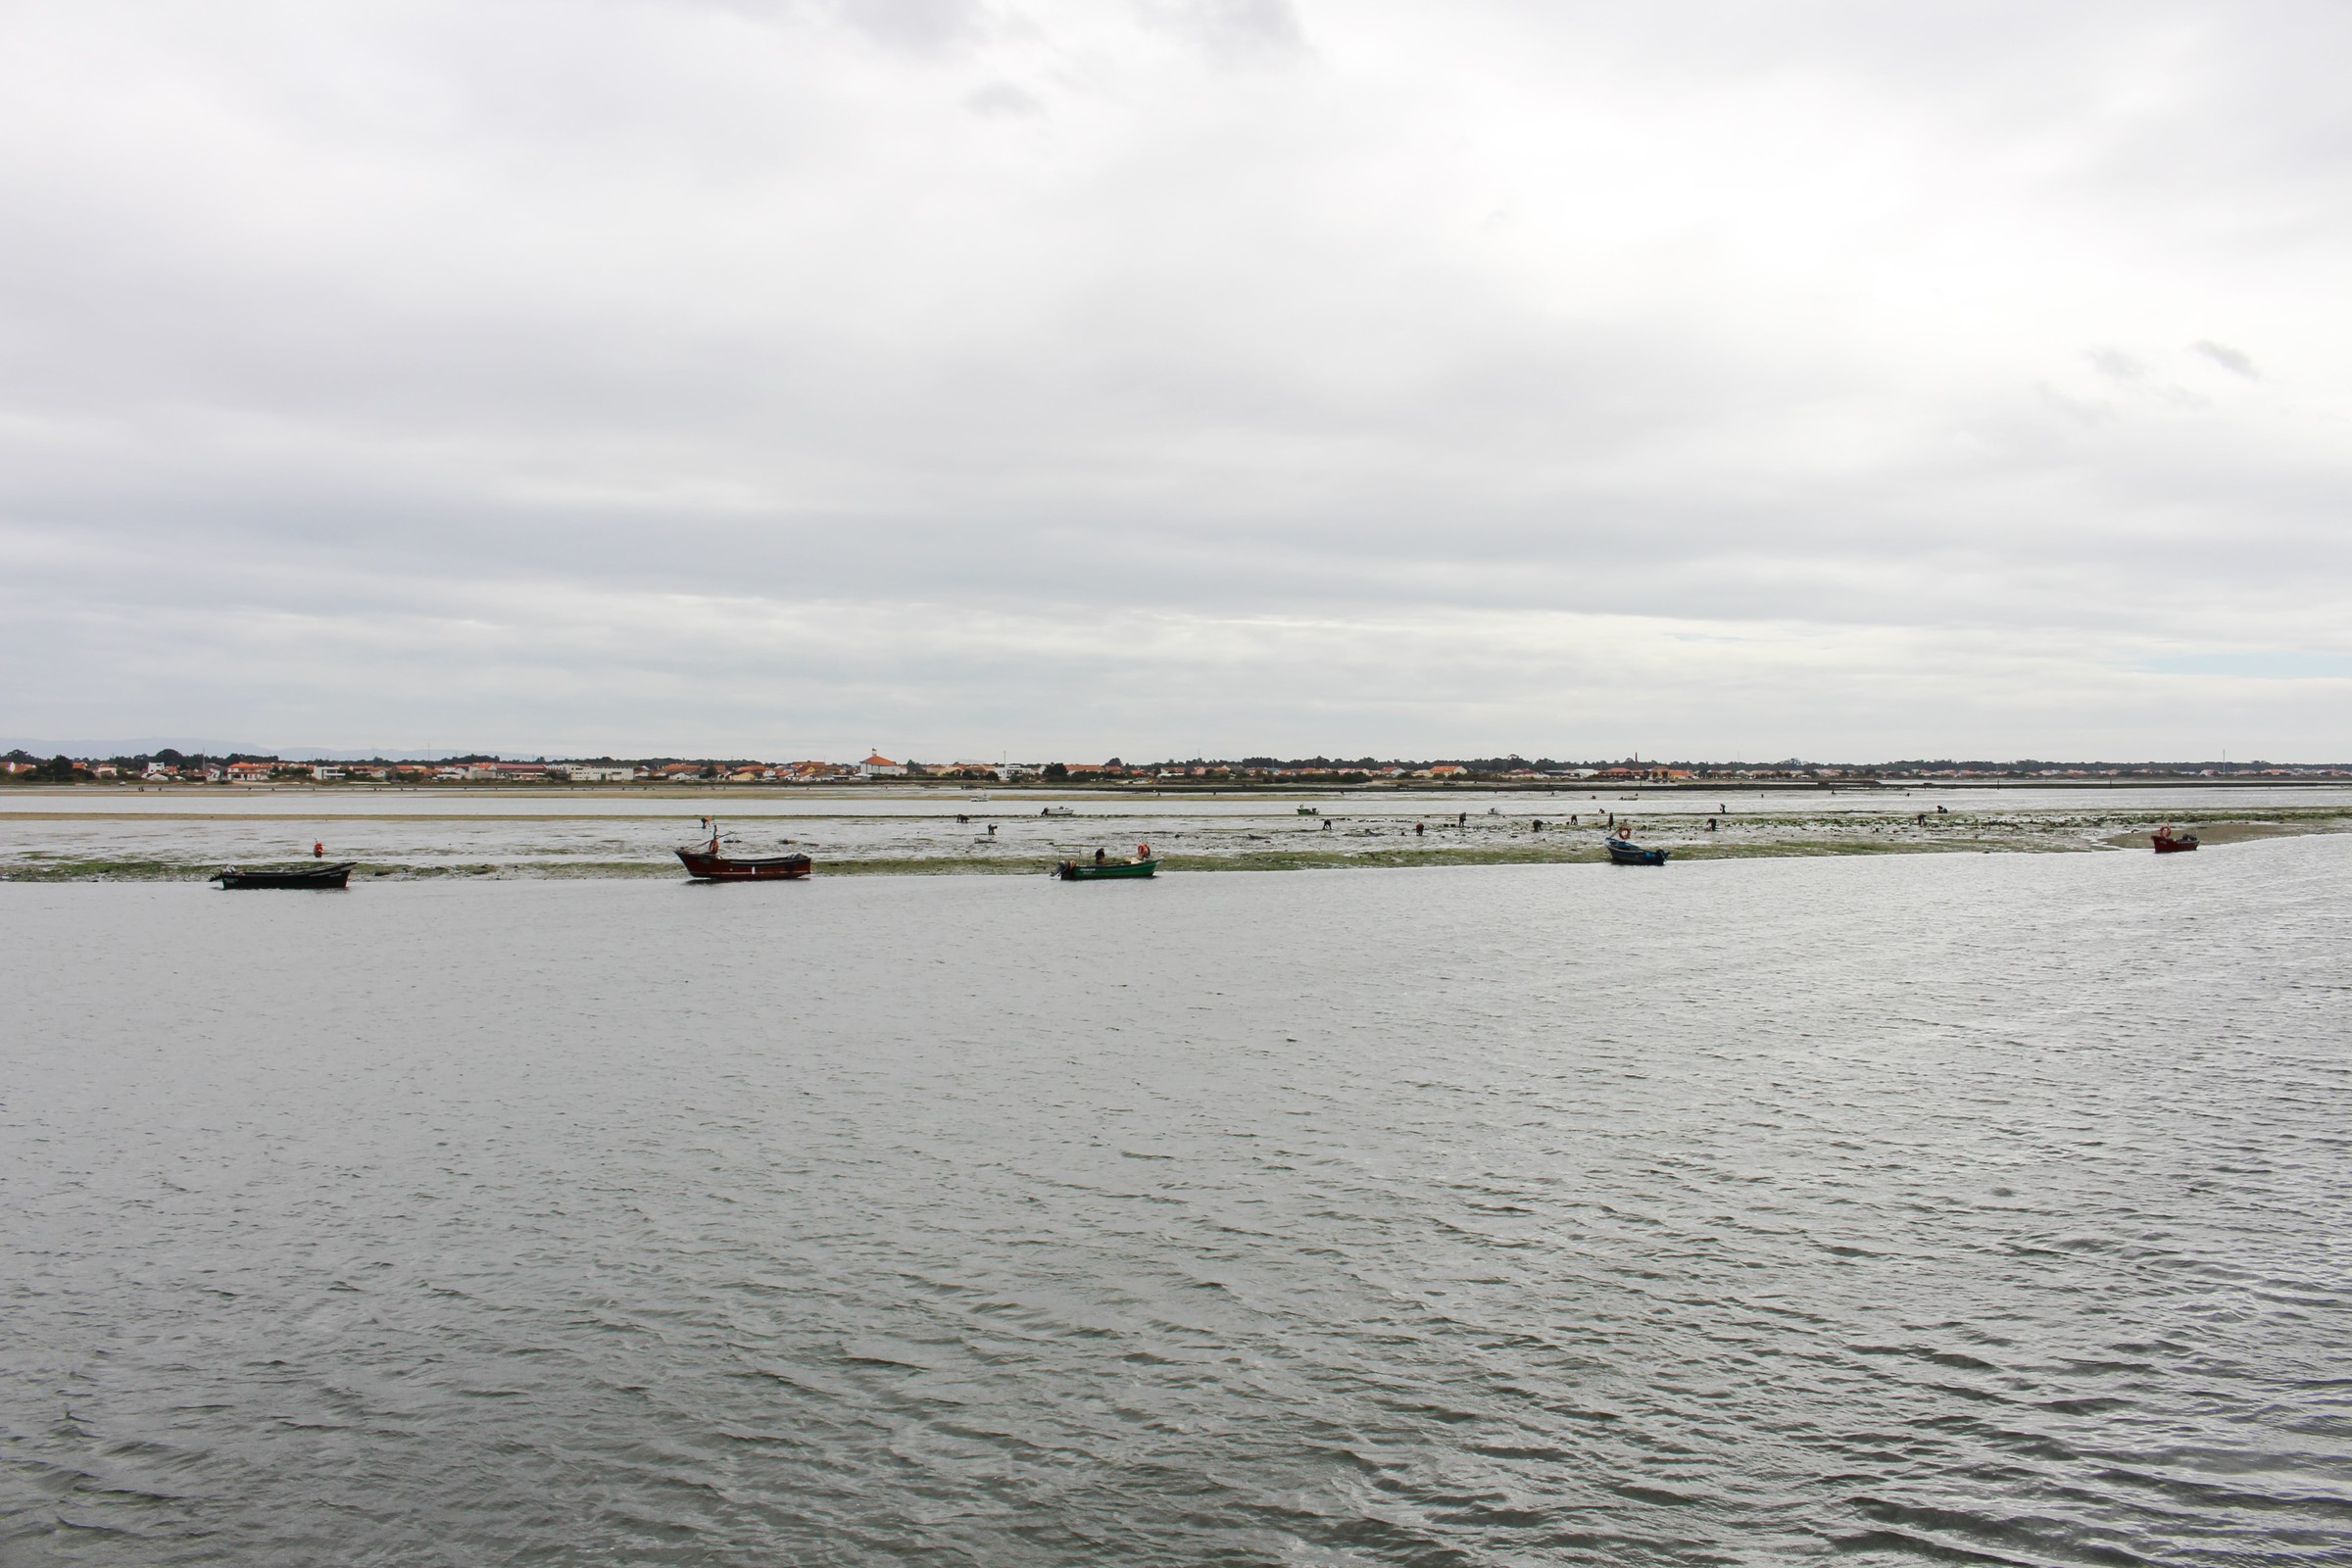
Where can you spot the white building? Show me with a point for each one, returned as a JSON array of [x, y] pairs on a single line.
[[582, 774], [880, 767]]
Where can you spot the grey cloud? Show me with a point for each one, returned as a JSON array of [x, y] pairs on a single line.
[[919, 26], [2235, 361], [469, 381], [1002, 98], [1231, 29], [2116, 364]]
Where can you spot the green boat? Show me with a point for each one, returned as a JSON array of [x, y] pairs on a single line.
[[1089, 871]]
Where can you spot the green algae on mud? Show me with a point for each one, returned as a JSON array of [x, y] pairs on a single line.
[[47, 870]]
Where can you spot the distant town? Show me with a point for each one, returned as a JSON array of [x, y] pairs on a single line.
[[169, 767]]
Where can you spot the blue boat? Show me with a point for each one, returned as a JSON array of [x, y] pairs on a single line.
[[1625, 851]]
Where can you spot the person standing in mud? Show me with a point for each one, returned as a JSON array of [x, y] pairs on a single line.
[[1420, 828]]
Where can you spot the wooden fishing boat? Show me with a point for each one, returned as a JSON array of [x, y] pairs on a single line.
[[704, 866], [1625, 851], [1105, 870], [2168, 842], [707, 863], [297, 876]]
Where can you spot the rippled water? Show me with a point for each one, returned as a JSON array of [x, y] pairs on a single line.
[[1741, 1212]]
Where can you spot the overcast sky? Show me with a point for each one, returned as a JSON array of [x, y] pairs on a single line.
[[967, 377]]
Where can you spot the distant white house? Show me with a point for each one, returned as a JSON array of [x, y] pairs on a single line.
[[582, 774], [325, 773], [880, 767]]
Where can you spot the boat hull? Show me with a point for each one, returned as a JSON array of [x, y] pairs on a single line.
[[2164, 846], [305, 876], [1629, 855], [704, 866], [1108, 871]]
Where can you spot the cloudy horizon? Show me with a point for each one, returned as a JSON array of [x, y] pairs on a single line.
[[1179, 378]]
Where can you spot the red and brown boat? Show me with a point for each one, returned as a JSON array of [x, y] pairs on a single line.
[[708, 862], [2168, 842]]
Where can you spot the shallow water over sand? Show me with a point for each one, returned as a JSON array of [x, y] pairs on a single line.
[[1746, 1212]]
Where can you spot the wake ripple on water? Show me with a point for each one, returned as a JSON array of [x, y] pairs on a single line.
[[1956, 1209]]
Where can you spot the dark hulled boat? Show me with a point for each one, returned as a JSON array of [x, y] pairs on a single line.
[[706, 863], [1104, 870], [1625, 851], [709, 865], [2168, 841], [704, 866], [297, 876]]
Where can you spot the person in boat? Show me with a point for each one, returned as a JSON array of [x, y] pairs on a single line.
[[1143, 851], [1625, 831], [1100, 856]]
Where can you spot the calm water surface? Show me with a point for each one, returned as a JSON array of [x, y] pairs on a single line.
[[1974, 1208]]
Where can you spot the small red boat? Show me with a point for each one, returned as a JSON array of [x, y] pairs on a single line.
[[704, 863], [2168, 841]]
